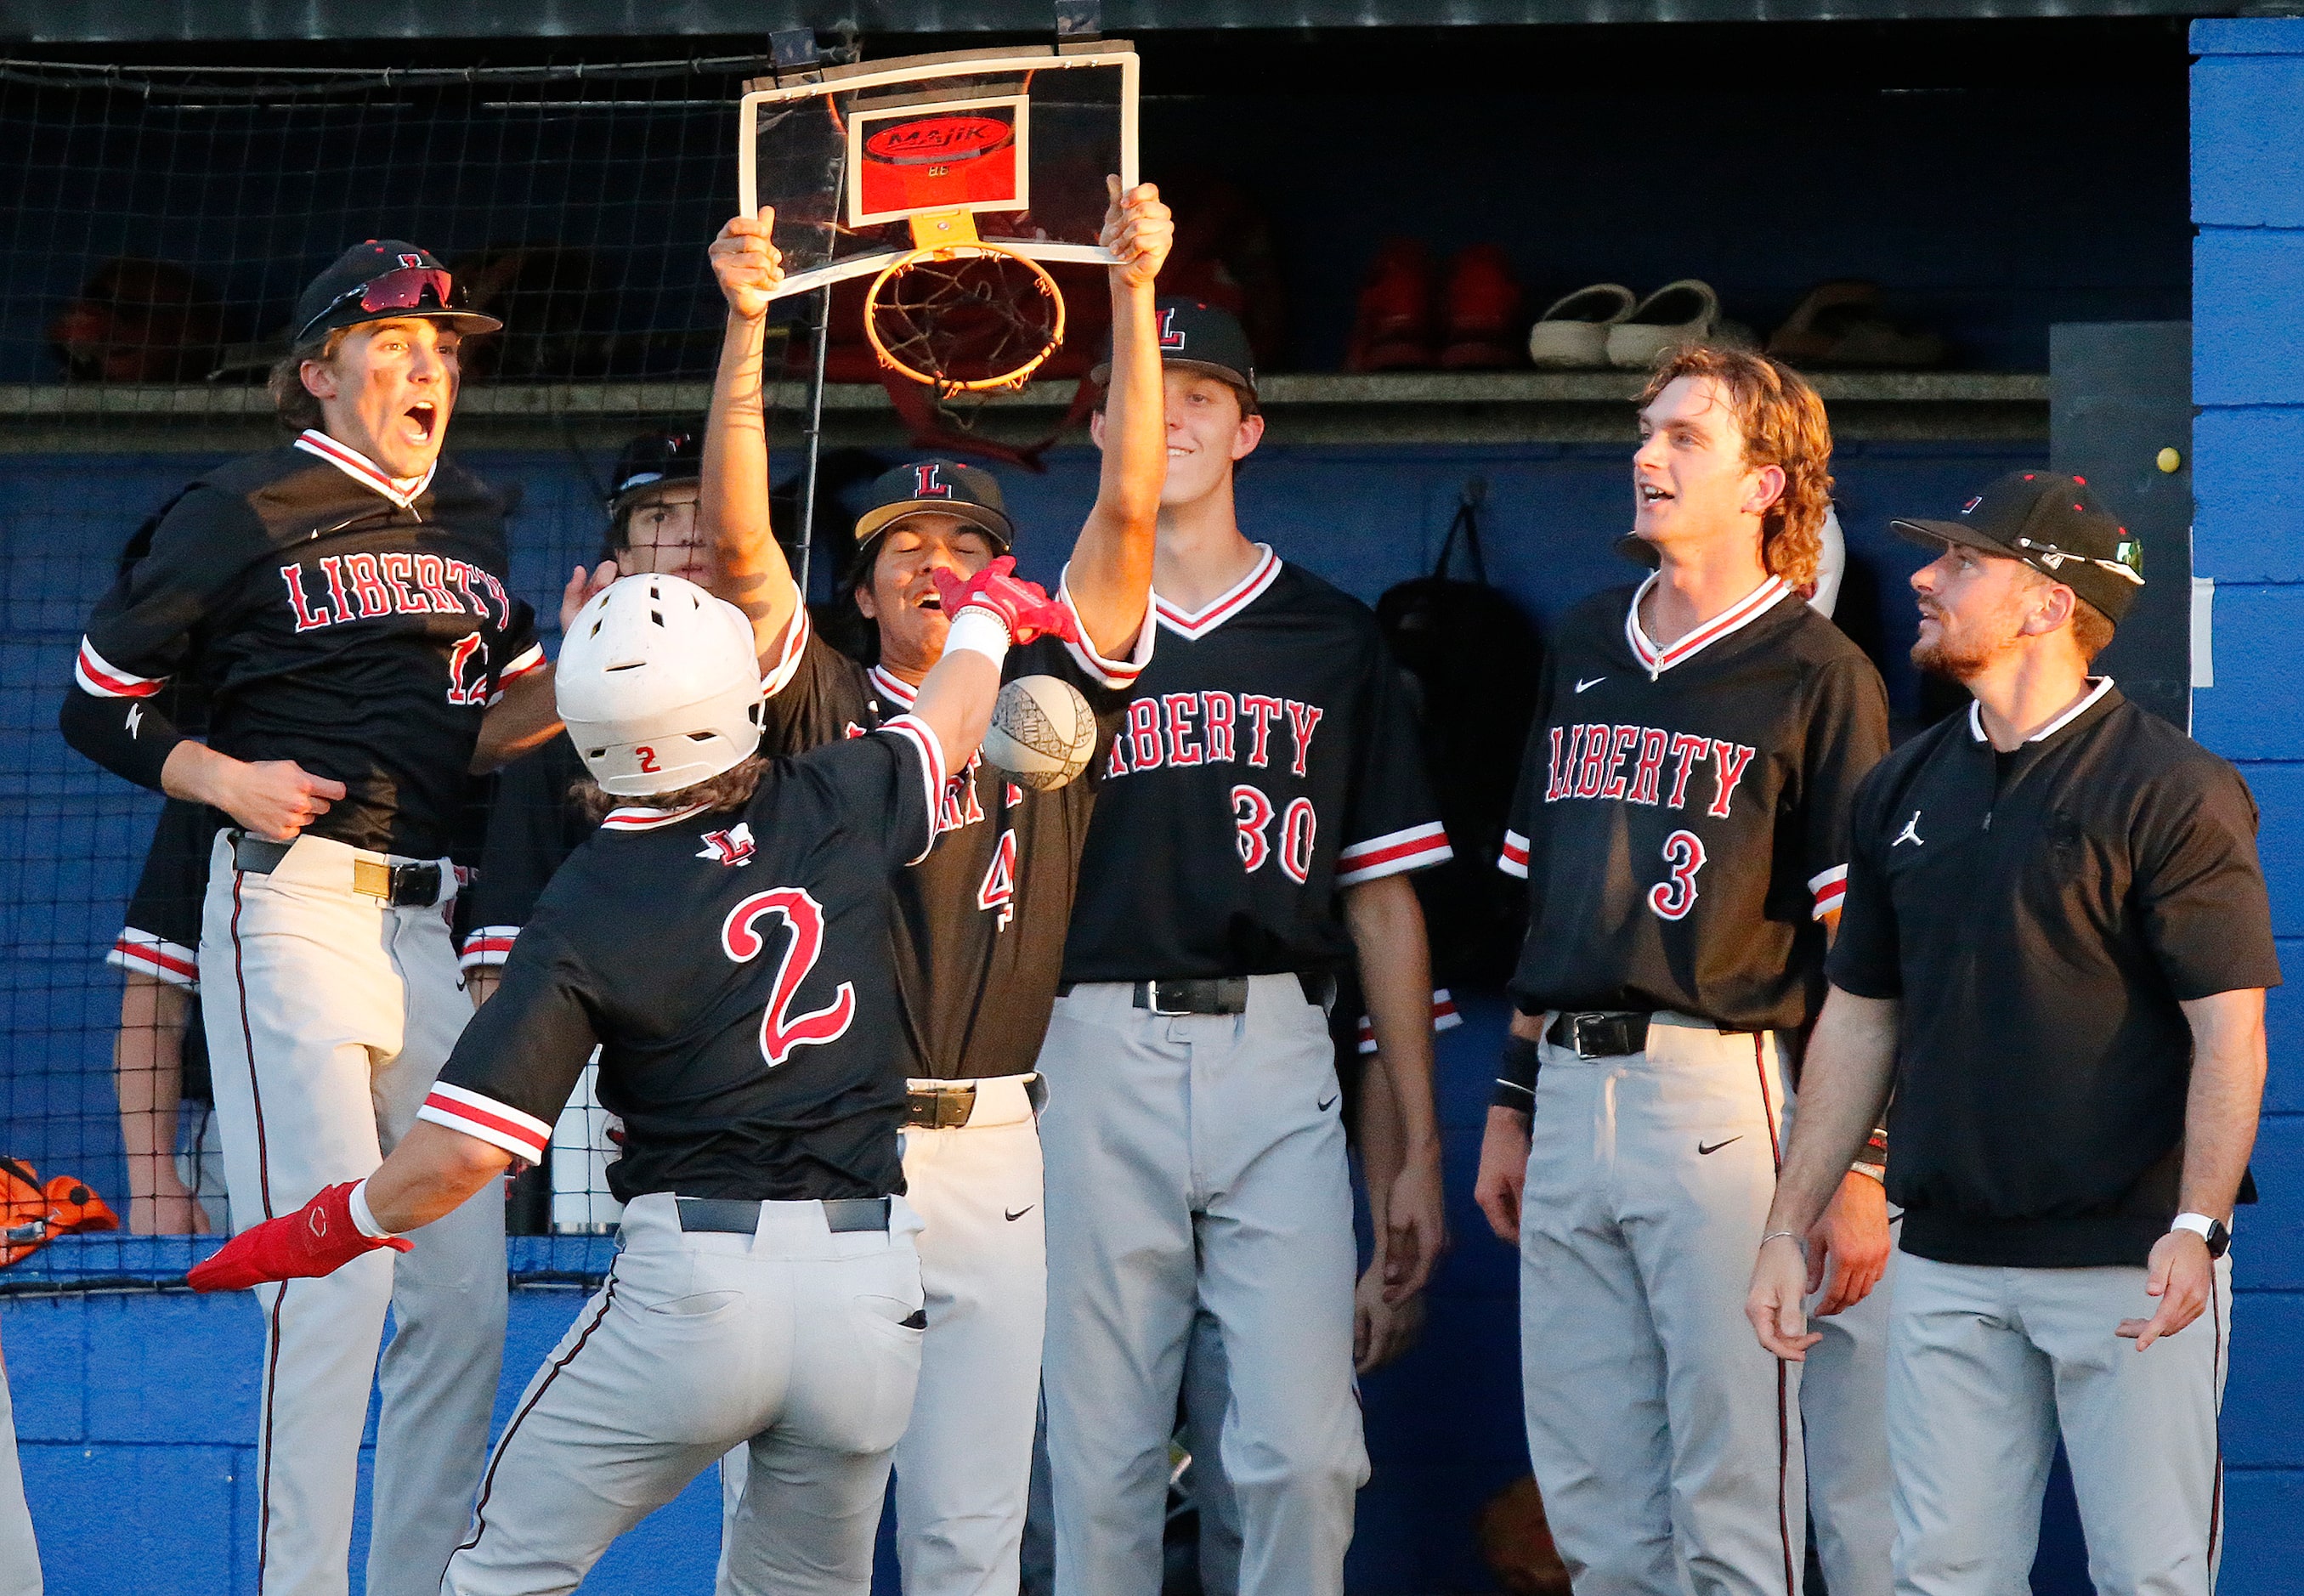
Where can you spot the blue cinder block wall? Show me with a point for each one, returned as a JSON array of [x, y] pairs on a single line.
[[2248, 380]]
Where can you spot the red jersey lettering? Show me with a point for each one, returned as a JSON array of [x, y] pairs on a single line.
[[432, 577], [1144, 732], [1261, 713], [306, 620], [1303, 720], [375, 599], [1593, 768], [399, 571], [1216, 724], [1620, 742], [1648, 774], [1687, 750], [1182, 748], [1251, 812], [1729, 761]]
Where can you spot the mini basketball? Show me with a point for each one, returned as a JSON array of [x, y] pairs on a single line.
[[1042, 732]]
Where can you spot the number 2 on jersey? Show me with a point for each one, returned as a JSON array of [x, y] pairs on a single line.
[[1673, 896], [781, 1031]]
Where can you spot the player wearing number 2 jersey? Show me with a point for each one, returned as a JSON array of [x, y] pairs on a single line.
[[1682, 821], [979, 925]]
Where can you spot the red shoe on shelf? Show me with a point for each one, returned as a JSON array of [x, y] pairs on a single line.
[[1393, 331], [1479, 312]]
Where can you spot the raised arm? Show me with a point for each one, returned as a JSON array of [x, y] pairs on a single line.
[[732, 499], [1110, 577]]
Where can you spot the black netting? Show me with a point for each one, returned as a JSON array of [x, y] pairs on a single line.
[[155, 227]]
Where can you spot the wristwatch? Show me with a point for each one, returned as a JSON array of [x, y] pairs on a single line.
[[2211, 1231]]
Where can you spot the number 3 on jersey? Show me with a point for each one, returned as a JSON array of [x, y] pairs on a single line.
[[1251, 817], [1673, 896], [781, 1031]]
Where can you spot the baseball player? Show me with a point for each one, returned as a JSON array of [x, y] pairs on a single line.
[[343, 599], [1682, 825], [20, 1552], [160, 1057], [980, 923], [1257, 815], [537, 820], [725, 940], [2054, 900]]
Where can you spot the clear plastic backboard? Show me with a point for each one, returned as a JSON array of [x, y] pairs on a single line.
[[873, 161]]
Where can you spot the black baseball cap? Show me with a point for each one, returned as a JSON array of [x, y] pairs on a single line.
[[380, 279], [947, 486], [1195, 335], [675, 454], [2054, 524]]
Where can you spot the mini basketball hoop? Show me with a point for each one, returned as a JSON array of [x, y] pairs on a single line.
[[966, 317]]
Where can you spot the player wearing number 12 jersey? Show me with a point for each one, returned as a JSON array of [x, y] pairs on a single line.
[[979, 925], [1682, 822]]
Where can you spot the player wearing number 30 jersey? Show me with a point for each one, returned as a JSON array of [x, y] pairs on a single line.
[[1683, 823]]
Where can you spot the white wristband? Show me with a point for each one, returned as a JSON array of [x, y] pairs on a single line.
[[1874, 1170], [979, 632], [2199, 1225], [363, 1220]]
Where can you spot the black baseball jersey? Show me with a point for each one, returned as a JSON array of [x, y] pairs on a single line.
[[535, 823], [733, 968], [980, 928], [2042, 913], [1268, 758], [1683, 813], [162, 936], [354, 623]]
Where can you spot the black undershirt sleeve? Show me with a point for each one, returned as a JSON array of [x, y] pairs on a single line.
[[1865, 958]]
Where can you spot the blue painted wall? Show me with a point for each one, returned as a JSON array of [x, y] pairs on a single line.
[[2248, 264], [147, 1400]]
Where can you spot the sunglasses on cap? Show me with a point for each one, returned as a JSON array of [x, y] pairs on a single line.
[[401, 289]]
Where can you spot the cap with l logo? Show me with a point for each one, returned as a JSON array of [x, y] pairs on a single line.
[[1195, 335], [944, 485], [2053, 523]]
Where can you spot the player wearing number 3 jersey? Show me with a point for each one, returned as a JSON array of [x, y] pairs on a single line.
[[1681, 822]]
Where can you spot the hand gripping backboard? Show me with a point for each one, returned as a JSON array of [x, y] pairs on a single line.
[[948, 178]]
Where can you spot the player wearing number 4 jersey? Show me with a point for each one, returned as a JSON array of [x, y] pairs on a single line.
[[979, 924], [1260, 810], [1682, 822]]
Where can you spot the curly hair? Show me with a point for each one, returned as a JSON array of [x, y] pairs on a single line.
[[731, 789], [1783, 425], [298, 407]]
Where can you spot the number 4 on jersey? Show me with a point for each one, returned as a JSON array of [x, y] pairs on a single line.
[[996, 893]]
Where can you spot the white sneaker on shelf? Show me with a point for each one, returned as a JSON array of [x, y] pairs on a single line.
[[1682, 312], [1574, 333]]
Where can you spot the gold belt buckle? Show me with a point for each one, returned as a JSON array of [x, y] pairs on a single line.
[[372, 879]]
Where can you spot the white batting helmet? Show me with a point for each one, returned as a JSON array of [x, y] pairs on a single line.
[[659, 685]]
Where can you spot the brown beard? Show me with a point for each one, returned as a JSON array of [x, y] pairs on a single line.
[[1964, 658]]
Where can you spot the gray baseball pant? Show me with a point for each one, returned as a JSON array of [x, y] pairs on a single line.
[[794, 1339], [1986, 1367], [20, 1554], [1197, 1160], [1843, 1400], [1665, 1441], [1207, 1392], [963, 1468], [329, 1014]]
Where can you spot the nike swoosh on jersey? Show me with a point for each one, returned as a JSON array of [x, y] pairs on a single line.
[[1325, 1105], [1595, 682], [1704, 1151], [1020, 1212]]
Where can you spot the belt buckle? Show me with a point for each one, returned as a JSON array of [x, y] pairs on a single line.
[[371, 878], [1157, 1008], [1585, 1031], [945, 1107]]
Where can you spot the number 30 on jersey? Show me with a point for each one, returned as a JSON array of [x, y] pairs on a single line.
[[1251, 817]]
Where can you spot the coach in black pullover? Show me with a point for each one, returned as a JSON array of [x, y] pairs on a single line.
[[2055, 947]]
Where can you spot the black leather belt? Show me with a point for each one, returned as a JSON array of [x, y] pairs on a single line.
[[945, 1106], [403, 886], [1223, 995], [1598, 1035], [741, 1217]]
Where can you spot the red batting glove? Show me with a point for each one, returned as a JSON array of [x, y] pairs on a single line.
[[319, 1238], [1024, 608]]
